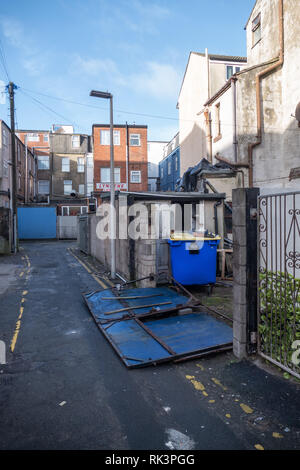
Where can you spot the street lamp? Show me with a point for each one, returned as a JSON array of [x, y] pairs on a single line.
[[109, 96]]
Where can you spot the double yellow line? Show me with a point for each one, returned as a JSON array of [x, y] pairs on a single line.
[[90, 271], [21, 311]]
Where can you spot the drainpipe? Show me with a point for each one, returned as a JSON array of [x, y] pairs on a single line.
[[235, 149], [26, 170], [127, 158], [208, 133], [259, 78], [208, 73]]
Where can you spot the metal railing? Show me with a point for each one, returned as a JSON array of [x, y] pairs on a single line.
[[279, 280]]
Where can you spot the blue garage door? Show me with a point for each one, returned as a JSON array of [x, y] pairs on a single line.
[[36, 222]]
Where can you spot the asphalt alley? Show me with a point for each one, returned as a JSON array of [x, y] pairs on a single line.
[[63, 387]]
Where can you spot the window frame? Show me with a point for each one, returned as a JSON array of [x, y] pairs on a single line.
[[131, 176], [256, 25], [117, 175], [135, 137], [80, 165], [106, 132], [218, 135], [75, 138], [46, 158], [67, 183], [43, 181], [63, 164], [81, 185]]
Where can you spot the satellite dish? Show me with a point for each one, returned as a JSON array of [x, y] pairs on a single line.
[[297, 112]]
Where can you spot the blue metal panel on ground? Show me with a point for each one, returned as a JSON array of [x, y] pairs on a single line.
[[140, 340], [36, 222]]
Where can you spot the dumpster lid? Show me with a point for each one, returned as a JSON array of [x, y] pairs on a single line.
[[189, 236]]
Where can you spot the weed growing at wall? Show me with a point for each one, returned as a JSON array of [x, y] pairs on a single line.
[[280, 315]]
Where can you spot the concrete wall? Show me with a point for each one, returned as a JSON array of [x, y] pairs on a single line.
[[244, 226], [278, 152], [138, 258], [67, 227]]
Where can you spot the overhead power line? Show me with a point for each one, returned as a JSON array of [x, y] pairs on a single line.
[[252, 128], [3, 61], [49, 109]]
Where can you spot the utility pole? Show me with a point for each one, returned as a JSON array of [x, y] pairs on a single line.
[[11, 91]]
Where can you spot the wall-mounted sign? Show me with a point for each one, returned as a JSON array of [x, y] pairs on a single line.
[[106, 186]]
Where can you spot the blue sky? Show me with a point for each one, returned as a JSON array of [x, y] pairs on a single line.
[[135, 49]]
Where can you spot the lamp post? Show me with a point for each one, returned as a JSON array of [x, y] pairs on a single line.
[[109, 96]]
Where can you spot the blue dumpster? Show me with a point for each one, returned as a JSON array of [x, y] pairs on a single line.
[[193, 258]]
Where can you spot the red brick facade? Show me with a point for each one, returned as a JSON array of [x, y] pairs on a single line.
[[137, 160]]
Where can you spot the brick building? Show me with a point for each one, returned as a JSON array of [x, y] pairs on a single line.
[[130, 157], [25, 169], [38, 142]]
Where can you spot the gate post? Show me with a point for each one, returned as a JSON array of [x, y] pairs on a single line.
[[244, 231]]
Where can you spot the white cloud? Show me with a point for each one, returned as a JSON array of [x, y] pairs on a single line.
[[106, 69], [159, 80], [14, 32]]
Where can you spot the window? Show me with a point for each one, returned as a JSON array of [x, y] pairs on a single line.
[[43, 187], [46, 138], [18, 153], [75, 141], [237, 69], [176, 163], [169, 167], [80, 165], [89, 161], [65, 164], [105, 175], [67, 186], [33, 137], [43, 162], [65, 210], [19, 181], [218, 134], [229, 71], [84, 209], [256, 29], [161, 172], [135, 140], [4, 137], [81, 189], [5, 168], [105, 137], [135, 177], [89, 188]]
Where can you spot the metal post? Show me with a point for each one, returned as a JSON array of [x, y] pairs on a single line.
[[106, 95], [11, 88], [112, 196]]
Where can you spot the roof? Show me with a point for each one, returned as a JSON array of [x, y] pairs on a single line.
[[251, 13], [172, 195], [130, 126], [231, 58], [32, 130], [219, 57], [219, 92]]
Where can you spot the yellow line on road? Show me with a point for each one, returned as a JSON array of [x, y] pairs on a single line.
[[217, 382], [88, 270], [246, 408], [15, 336]]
